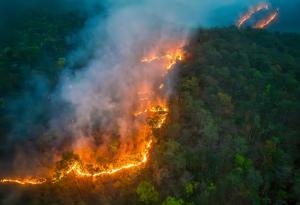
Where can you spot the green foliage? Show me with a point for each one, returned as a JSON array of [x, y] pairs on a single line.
[[173, 201], [238, 91], [232, 134], [147, 193], [225, 102], [242, 162], [191, 187], [211, 187]]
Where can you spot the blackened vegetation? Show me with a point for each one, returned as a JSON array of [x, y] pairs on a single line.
[[232, 135]]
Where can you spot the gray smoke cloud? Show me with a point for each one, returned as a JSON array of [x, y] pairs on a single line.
[[204, 13], [111, 46], [104, 92]]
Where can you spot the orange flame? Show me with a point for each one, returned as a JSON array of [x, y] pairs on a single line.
[[173, 57], [267, 21], [170, 58], [77, 169], [156, 112], [26, 181], [250, 13]]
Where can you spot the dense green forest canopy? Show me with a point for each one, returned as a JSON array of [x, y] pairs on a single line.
[[33, 54], [232, 135]]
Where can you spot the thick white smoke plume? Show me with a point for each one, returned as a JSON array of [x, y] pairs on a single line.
[[104, 93]]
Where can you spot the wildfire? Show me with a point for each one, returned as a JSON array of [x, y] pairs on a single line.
[[174, 57], [262, 23], [155, 111], [159, 115], [250, 13], [26, 181], [77, 169], [170, 58], [265, 22]]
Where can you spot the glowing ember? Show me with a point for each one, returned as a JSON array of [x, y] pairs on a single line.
[[267, 21], [149, 59], [250, 13], [174, 57], [159, 116], [79, 171], [27, 181], [170, 58], [155, 111]]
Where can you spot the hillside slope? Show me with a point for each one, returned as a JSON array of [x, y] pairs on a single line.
[[232, 135]]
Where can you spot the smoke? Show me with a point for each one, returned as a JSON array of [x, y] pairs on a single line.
[[104, 90], [92, 106], [104, 93]]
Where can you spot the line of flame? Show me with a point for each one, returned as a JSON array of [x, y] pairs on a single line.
[[30, 181], [250, 13], [171, 57], [76, 168], [265, 22]]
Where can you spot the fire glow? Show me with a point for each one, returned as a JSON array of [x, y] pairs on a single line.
[[169, 59], [153, 114], [261, 24], [26, 181], [268, 20], [250, 13], [77, 169]]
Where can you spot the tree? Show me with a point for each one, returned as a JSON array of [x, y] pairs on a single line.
[[173, 201], [147, 192]]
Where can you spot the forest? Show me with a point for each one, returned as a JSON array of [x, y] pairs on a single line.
[[231, 135]]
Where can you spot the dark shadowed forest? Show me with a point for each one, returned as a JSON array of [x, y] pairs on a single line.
[[231, 136]]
